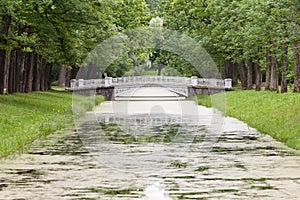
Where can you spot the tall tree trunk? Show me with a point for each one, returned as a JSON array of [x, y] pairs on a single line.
[[75, 71], [62, 76], [68, 77], [258, 77], [2, 70], [250, 75], [42, 77], [6, 21], [24, 78], [49, 69], [234, 74], [37, 73], [296, 51], [7, 69], [47, 83], [12, 72], [243, 74], [17, 78], [29, 75], [296, 67], [160, 67], [268, 69], [274, 74], [285, 66]]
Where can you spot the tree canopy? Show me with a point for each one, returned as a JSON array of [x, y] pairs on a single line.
[[251, 41]]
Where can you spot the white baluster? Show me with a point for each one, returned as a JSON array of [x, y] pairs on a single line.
[[228, 83], [194, 80]]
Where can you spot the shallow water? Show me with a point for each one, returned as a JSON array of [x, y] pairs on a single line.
[[101, 160]]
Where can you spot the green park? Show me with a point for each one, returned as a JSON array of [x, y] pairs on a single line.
[[149, 99]]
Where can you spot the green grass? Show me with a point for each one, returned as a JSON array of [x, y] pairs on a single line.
[[204, 100], [56, 88], [26, 117], [270, 113]]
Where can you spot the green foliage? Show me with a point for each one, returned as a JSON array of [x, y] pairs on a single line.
[[62, 32], [170, 71], [54, 83], [30, 116], [234, 31], [65, 32], [179, 164], [130, 14], [154, 6], [270, 113], [149, 73]]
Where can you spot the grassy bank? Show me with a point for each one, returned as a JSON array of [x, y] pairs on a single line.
[[275, 114], [26, 117]]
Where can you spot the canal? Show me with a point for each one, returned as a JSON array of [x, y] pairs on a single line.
[[155, 156]]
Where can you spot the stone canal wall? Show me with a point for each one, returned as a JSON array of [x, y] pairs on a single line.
[[109, 94]]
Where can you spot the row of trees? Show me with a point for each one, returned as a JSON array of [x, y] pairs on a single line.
[[38, 35], [251, 40]]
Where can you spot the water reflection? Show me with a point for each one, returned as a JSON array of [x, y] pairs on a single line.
[[242, 164], [141, 143]]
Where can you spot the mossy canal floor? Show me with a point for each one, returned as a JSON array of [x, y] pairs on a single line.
[[240, 164]]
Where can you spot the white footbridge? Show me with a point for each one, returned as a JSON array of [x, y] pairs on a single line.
[[178, 85]]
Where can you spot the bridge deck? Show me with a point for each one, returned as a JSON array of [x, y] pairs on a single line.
[[148, 94]]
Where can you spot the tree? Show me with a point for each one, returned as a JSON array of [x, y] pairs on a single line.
[[43, 32], [296, 44]]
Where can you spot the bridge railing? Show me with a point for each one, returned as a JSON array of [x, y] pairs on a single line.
[[86, 84], [138, 80], [150, 79]]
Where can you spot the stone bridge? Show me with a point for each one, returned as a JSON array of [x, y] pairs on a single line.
[[113, 88]]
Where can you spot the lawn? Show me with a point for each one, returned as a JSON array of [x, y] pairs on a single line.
[[26, 117], [270, 113]]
